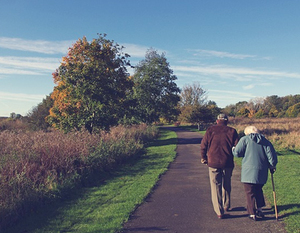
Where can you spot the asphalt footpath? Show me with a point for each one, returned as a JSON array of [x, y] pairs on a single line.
[[181, 202]]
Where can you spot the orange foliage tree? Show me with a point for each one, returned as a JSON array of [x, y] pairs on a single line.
[[92, 84]]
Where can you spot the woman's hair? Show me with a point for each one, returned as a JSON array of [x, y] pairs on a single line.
[[250, 129]]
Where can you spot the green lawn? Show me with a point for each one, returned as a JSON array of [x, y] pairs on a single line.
[[287, 189], [106, 206]]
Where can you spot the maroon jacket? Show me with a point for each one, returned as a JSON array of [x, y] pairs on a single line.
[[216, 145]]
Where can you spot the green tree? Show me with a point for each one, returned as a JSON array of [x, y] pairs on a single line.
[[259, 114], [201, 115], [272, 101], [155, 89], [293, 111], [36, 118], [244, 112], [229, 110], [92, 86], [273, 112]]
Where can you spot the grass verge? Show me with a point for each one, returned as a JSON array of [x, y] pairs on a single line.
[[287, 189], [104, 207]]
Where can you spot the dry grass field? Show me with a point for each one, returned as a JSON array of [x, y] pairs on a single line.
[[284, 133]]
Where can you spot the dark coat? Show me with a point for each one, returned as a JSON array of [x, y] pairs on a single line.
[[216, 145]]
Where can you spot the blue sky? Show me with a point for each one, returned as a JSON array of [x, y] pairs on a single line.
[[237, 50]]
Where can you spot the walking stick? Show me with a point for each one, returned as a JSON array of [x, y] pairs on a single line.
[[274, 196]]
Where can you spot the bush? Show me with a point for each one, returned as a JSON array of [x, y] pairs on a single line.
[[38, 166]]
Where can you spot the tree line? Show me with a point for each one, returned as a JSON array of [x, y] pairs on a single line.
[[271, 106], [95, 91]]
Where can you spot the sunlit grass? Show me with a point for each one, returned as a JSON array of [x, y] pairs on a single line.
[[287, 189], [106, 206]]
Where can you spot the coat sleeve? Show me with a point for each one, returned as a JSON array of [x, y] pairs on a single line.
[[271, 154], [240, 148], [236, 138], [204, 147]]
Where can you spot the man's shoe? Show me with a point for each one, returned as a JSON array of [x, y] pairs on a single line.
[[220, 216]]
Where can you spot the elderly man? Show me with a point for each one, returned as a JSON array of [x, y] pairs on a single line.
[[216, 151]]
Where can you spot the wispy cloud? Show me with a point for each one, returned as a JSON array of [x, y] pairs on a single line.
[[21, 97], [233, 93], [223, 97], [135, 50], [221, 54], [226, 71], [10, 64], [39, 46], [248, 87], [138, 52]]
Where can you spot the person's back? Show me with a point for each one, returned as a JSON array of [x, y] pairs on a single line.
[[258, 155], [217, 145], [216, 152]]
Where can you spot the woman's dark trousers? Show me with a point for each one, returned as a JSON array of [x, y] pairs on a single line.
[[255, 197]]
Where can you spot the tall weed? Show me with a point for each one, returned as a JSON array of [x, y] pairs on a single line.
[[37, 166]]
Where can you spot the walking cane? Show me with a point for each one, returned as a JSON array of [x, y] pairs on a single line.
[[274, 196]]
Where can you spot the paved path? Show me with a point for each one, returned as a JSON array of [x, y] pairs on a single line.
[[181, 200]]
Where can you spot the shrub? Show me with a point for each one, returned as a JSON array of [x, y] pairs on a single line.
[[38, 166]]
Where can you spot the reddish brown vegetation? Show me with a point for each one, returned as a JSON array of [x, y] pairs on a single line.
[[39, 165], [283, 132]]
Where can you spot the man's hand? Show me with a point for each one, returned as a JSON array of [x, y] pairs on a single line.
[[204, 161]]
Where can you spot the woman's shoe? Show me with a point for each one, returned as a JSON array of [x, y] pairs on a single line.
[[260, 214], [252, 217]]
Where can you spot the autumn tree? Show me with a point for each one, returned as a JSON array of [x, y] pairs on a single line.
[[92, 84], [192, 98], [155, 89]]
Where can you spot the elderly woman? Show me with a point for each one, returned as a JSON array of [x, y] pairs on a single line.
[[258, 156]]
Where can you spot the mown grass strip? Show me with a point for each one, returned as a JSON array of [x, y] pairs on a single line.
[[104, 208]]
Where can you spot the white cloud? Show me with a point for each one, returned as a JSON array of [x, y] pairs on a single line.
[[21, 97], [223, 97], [225, 71], [27, 65], [10, 71], [248, 87], [139, 51], [233, 93], [220, 54], [39, 46], [135, 50]]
